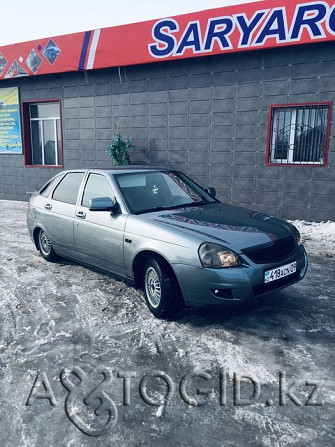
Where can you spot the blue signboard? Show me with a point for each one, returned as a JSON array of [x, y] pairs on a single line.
[[10, 125]]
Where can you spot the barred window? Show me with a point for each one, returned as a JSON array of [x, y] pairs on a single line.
[[299, 134]]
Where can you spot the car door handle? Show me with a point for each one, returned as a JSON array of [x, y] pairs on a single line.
[[48, 206], [81, 214]]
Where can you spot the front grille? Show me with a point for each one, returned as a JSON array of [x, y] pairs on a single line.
[[269, 287], [274, 253]]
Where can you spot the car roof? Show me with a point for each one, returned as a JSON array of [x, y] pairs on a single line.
[[122, 169]]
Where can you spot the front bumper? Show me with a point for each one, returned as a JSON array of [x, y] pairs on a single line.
[[236, 284]]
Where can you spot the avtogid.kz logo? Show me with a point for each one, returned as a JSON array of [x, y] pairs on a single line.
[[90, 408]]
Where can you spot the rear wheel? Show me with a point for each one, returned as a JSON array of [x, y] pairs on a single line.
[[161, 290], [45, 247]]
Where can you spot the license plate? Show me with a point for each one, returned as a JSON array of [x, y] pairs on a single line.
[[280, 272]]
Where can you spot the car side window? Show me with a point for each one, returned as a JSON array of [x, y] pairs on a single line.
[[49, 186], [96, 186], [67, 190]]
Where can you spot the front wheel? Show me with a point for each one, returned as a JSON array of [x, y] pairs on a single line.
[[161, 290], [45, 247]]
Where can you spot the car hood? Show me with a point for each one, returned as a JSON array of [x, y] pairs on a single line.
[[234, 226]]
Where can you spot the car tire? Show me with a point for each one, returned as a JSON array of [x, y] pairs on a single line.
[[45, 247], [161, 290]]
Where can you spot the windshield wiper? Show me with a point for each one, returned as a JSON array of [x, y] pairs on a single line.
[[165, 208], [152, 210], [194, 204]]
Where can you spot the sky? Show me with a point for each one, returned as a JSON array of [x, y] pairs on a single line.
[[24, 20]]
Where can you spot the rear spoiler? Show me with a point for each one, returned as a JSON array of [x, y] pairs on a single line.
[[32, 193]]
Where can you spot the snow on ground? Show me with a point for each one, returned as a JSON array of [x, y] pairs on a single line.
[[318, 237], [56, 315]]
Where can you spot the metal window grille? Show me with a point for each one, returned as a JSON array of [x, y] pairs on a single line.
[[299, 134]]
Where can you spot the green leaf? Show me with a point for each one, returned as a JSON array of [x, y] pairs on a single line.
[[119, 149]]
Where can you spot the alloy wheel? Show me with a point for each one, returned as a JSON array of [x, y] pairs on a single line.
[[45, 244], [153, 287]]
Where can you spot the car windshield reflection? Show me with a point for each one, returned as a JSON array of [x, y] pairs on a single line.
[[146, 192]]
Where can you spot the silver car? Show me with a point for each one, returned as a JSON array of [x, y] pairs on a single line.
[[160, 229]]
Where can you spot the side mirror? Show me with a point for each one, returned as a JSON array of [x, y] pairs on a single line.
[[211, 191], [103, 204]]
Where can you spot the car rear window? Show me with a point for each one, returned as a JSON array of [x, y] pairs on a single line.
[[67, 190]]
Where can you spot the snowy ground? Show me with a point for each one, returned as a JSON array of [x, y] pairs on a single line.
[[318, 237], [56, 316]]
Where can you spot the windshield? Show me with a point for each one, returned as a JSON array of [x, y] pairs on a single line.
[[154, 191]]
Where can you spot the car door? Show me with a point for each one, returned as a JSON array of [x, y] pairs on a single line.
[[59, 212], [99, 234]]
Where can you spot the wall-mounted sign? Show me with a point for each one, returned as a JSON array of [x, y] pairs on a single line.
[[10, 125], [245, 27]]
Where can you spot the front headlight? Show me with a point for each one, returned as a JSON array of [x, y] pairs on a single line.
[[215, 256], [297, 235]]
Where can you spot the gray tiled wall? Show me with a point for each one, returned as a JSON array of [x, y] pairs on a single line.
[[206, 116]]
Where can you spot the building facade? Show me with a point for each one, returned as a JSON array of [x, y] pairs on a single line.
[[256, 125]]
